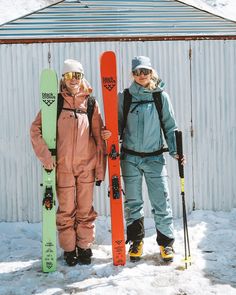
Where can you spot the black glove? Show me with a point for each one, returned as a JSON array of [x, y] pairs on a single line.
[[98, 182]]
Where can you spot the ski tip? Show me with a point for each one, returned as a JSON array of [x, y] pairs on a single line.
[[107, 54], [48, 71], [48, 76], [108, 71]]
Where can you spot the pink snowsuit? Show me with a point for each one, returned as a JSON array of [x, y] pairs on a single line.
[[80, 160]]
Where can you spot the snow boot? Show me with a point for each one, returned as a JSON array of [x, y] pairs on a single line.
[[71, 258], [167, 253], [84, 255], [135, 235], [135, 250]]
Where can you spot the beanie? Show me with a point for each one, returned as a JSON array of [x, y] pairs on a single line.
[[71, 65]]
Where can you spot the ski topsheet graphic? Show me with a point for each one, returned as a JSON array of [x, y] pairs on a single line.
[[48, 97], [109, 91]]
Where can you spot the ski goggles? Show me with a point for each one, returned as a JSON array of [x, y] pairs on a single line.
[[138, 72], [70, 75]]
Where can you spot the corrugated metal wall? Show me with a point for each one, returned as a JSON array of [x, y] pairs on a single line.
[[202, 91], [214, 124]]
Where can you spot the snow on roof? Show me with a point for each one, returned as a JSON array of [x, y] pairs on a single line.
[[117, 19]]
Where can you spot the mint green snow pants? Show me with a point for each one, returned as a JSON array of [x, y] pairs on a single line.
[[154, 170]]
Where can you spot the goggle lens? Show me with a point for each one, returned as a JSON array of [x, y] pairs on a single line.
[[70, 75], [138, 72]]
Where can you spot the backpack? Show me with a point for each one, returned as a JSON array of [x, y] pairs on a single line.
[[90, 109]]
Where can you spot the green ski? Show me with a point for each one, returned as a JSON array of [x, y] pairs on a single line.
[[48, 97]]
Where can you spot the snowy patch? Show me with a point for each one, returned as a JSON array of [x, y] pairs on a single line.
[[213, 270]]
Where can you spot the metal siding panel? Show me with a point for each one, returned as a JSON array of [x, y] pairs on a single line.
[[214, 141], [20, 64], [213, 76]]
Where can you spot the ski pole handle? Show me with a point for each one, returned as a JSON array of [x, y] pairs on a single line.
[[179, 145]]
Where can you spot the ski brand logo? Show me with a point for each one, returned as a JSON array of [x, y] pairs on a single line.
[[49, 264], [109, 83], [119, 242], [48, 98]]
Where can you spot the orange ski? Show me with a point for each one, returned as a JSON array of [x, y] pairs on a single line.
[[109, 91]]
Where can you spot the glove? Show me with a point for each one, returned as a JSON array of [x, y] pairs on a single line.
[[98, 182]]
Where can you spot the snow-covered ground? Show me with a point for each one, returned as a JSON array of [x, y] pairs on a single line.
[[213, 270], [12, 9]]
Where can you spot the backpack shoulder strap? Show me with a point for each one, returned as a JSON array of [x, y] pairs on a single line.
[[126, 106], [158, 103], [90, 110], [60, 102]]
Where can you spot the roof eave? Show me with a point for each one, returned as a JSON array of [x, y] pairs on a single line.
[[116, 38]]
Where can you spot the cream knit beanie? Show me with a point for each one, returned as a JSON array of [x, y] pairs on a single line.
[[71, 65]]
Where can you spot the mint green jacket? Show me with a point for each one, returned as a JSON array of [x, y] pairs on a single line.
[[143, 132]]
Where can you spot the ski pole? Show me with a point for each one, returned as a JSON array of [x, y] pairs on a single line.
[[179, 144]]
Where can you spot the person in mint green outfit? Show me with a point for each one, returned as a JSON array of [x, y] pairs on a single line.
[[141, 131], [142, 156]]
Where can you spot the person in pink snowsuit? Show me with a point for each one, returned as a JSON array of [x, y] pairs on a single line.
[[80, 162]]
